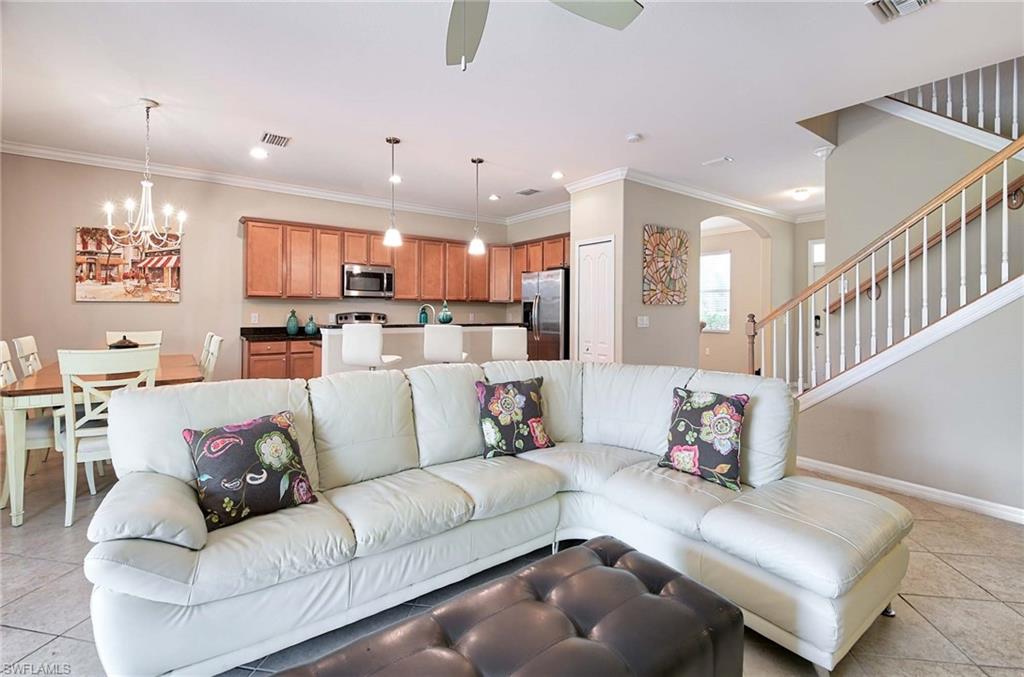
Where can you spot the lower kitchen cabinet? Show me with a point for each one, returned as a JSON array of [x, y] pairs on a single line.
[[266, 366], [279, 359]]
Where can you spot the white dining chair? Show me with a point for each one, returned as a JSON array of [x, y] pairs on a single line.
[[508, 343], [38, 429], [94, 375], [143, 338], [443, 343], [210, 355], [362, 345], [206, 347], [28, 355]]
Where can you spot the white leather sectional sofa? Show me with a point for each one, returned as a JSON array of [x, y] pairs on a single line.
[[407, 505]]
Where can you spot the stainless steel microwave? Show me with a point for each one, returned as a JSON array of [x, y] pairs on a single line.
[[373, 281]]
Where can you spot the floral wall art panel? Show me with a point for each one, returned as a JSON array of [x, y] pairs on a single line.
[[664, 266]]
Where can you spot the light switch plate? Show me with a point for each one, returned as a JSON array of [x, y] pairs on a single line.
[[254, 318], [643, 321], [707, 351]]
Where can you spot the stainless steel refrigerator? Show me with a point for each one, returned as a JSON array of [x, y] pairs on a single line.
[[546, 314]]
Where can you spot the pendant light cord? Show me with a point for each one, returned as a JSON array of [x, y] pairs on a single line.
[[145, 172], [392, 186], [476, 214]]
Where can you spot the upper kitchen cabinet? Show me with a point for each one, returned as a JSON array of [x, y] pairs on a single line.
[[535, 257], [479, 277], [264, 259], [456, 271], [501, 274], [299, 263], [328, 263], [407, 270], [357, 247], [379, 254], [554, 253], [432, 270], [518, 268]]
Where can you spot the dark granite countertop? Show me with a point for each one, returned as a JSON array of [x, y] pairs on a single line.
[[281, 334]]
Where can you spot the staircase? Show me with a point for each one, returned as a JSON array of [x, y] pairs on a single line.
[[956, 258]]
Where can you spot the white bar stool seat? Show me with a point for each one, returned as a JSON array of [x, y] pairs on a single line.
[[443, 343], [508, 343], [362, 345]]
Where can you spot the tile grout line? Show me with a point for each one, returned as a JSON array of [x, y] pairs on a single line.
[[942, 634]]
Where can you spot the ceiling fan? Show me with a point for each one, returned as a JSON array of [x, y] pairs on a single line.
[[466, 22]]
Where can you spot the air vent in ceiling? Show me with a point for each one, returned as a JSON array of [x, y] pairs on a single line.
[[887, 10], [278, 140], [527, 191]]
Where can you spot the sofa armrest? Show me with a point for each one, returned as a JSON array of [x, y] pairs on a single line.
[[153, 507]]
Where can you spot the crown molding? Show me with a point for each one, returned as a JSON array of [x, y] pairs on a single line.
[[188, 173], [617, 174], [809, 218], [537, 213]]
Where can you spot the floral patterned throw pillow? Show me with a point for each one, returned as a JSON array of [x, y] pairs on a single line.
[[248, 469], [511, 415], [704, 437]]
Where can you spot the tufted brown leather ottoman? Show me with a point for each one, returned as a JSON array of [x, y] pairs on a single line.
[[600, 608]]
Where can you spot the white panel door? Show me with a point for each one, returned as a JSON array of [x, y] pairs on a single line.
[[596, 302]]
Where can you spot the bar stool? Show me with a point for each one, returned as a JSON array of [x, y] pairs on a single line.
[[362, 345], [443, 343], [508, 343]]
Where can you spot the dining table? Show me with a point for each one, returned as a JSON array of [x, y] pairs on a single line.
[[44, 389]]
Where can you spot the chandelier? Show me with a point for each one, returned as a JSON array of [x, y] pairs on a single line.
[[141, 228]]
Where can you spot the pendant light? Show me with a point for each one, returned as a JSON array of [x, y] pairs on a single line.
[[476, 245], [392, 238]]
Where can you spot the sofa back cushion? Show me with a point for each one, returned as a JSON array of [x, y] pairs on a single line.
[[628, 405], [146, 423], [561, 391], [447, 413], [363, 424], [768, 439]]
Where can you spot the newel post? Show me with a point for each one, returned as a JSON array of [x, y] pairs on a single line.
[[751, 335]]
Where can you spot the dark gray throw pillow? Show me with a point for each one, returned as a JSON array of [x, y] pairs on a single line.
[[248, 469], [704, 437], [512, 417]]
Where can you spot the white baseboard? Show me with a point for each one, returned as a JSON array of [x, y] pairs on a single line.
[[997, 510]]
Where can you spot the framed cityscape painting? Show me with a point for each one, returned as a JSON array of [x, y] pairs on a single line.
[[108, 271], [664, 266]]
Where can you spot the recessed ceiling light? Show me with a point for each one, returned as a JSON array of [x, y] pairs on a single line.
[[801, 194], [634, 138], [258, 152], [494, 198], [395, 178], [557, 175]]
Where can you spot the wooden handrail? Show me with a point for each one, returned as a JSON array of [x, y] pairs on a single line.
[[945, 196], [1015, 198]]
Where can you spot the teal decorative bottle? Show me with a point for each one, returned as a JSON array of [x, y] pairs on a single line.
[[311, 327], [293, 324], [445, 316]]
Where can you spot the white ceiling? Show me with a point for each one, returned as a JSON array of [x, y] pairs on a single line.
[[548, 90]]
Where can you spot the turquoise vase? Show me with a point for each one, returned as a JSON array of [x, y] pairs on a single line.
[[311, 327], [445, 316], [293, 324]]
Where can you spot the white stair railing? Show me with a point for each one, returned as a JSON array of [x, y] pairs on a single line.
[[807, 361]]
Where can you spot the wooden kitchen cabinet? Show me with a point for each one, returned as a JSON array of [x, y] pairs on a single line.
[[554, 253], [328, 263], [407, 270], [379, 254], [432, 270], [357, 247], [267, 366], [456, 271], [501, 274], [300, 365], [264, 259], [535, 257], [318, 355], [518, 268], [299, 266], [567, 251], [479, 277]]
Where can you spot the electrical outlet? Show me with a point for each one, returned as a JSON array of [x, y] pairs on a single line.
[[643, 321], [707, 351], [472, 317], [254, 318]]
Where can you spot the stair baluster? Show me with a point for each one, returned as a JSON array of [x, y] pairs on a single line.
[[1004, 265], [856, 313], [874, 315], [963, 248], [800, 348], [942, 259], [842, 323], [997, 125], [983, 276], [888, 300], [828, 335], [924, 275], [906, 283]]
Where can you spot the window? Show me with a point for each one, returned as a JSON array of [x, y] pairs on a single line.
[[715, 277]]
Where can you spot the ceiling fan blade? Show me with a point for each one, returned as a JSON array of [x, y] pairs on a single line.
[[465, 29], [615, 14]]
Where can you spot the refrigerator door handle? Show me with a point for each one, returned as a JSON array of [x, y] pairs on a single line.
[[535, 320]]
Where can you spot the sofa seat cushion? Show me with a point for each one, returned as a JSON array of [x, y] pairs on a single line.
[[820, 535], [584, 467], [257, 553], [499, 485], [390, 511], [669, 498]]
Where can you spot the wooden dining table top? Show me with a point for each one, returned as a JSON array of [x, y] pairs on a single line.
[[173, 369]]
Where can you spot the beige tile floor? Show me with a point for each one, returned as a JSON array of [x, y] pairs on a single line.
[[960, 612]]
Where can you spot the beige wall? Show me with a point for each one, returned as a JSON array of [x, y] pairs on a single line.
[[802, 234], [38, 253], [728, 351], [947, 417], [552, 224]]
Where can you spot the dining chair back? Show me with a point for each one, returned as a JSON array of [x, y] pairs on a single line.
[[508, 343], [210, 355], [143, 338], [206, 347], [7, 375], [89, 378], [28, 355]]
